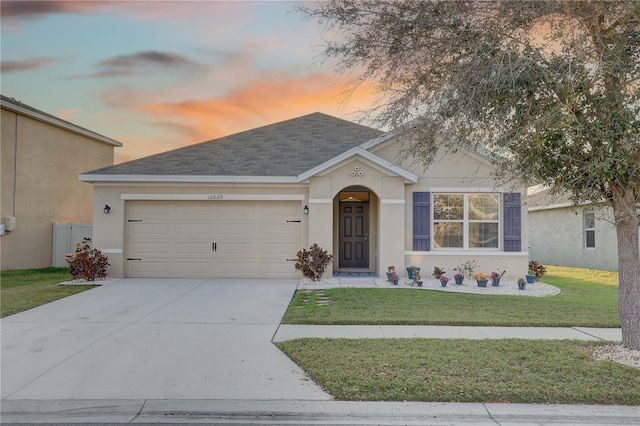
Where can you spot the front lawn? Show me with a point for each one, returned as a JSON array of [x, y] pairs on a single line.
[[28, 288], [510, 370], [580, 303]]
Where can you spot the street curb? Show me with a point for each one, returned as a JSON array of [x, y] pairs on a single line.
[[310, 412]]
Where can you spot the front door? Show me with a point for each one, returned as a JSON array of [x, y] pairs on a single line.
[[354, 235]]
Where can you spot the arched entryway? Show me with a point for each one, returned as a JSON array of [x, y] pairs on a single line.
[[355, 233]]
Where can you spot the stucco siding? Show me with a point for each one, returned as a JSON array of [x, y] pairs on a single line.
[[461, 172], [40, 185], [556, 237]]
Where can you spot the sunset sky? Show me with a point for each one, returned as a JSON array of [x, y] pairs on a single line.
[[158, 75]]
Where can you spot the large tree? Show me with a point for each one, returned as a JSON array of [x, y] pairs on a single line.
[[551, 87]]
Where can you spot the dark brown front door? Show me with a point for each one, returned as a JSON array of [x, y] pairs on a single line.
[[354, 235]]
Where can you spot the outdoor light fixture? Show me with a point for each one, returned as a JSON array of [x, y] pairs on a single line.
[[305, 210], [106, 209]]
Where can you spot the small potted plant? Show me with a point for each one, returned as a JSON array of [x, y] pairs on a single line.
[[521, 283], [481, 278], [444, 280], [495, 277], [467, 268], [416, 277], [459, 278], [412, 270], [537, 270], [437, 273], [393, 276], [531, 276]]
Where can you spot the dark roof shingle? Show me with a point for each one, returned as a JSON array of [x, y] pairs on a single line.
[[287, 148]]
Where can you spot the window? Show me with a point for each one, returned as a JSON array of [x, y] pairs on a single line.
[[466, 221], [589, 223]]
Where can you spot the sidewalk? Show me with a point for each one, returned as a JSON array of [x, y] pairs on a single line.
[[290, 332]]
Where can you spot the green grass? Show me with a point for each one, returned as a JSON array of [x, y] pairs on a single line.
[[582, 302], [29, 288], [510, 370], [564, 273]]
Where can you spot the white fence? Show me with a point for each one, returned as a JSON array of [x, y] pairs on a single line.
[[65, 238]]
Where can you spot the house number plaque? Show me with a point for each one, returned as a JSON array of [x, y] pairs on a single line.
[[214, 197]]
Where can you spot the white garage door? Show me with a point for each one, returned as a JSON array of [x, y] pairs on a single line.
[[233, 239]]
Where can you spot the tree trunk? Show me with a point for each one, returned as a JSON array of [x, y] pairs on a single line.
[[627, 222]]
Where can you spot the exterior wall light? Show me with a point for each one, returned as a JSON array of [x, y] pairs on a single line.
[[106, 209], [305, 210]]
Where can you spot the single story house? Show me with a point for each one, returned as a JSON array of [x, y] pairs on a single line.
[[563, 234], [243, 205], [41, 158]]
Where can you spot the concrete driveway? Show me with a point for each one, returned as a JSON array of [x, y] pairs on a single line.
[[155, 339]]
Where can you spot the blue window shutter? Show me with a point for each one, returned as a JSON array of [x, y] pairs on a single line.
[[421, 221], [512, 222]]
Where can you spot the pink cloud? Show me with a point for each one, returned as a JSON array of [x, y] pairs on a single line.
[[258, 103], [261, 102], [66, 114], [15, 12]]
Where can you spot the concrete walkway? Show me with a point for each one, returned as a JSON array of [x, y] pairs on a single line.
[[290, 332]]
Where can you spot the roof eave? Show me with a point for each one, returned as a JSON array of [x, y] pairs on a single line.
[[59, 123], [94, 178]]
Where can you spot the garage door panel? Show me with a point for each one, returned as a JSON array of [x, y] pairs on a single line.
[[278, 249], [174, 238], [148, 268], [150, 210], [191, 248], [150, 228], [275, 269], [150, 247]]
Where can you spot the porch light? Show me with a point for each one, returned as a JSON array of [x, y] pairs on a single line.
[[106, 209], [305, 210]]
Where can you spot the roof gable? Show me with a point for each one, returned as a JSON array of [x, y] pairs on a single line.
[[285, 149], [359, 152]]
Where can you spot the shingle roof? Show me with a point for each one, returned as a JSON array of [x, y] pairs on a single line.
[[287, 148]]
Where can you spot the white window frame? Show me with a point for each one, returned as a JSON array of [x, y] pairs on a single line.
[[466, 221], [586, 230]]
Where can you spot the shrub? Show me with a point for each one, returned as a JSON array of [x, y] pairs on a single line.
[[537, 269], [313, 262], [438, 272], [87, 263], [467, 268]]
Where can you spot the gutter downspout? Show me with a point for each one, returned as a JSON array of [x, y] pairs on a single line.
[[15, 167]]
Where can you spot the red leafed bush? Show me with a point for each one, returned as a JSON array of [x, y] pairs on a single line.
[[313, 262], [87, 263], [537, 269]]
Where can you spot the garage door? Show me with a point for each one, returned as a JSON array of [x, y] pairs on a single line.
[[235, 239]]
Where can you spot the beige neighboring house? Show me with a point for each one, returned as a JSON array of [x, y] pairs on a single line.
[[243, 205], [42, 156], [562, 234]]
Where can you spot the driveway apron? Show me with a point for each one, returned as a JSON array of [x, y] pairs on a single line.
[[155, 339]]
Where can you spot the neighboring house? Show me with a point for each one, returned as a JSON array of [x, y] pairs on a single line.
[[42, 156], [562, 234], [243, 205]]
